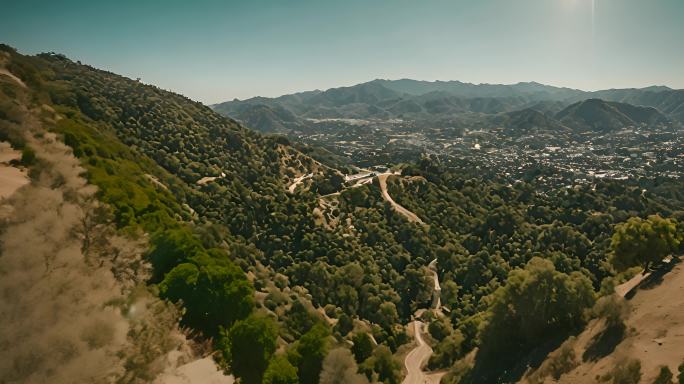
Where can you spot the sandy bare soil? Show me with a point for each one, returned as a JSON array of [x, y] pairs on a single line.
[[11, 178], [654, 329], [202, 371], [412, 217], [297, 181], [9, 74]]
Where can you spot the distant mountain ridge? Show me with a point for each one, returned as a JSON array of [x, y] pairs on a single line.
[[469, 90], [425, 100]]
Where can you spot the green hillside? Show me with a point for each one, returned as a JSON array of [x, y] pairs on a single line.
[[260, 268]]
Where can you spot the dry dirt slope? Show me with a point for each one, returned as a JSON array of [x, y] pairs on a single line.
[[654, 333]]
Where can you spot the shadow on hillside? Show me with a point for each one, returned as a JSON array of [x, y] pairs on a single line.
[[604, 343], [655, 278], [513, 370]]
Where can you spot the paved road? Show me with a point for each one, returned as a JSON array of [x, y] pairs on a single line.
[[412, 217], [416, 359]]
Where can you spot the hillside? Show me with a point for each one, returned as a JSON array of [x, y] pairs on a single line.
[[275, 261], [652, 335], [668, 101], [600, 115], [530, 120], [84, 312]]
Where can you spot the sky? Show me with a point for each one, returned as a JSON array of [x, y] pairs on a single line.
[[214, 51]]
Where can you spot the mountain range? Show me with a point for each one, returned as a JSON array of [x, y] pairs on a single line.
[[423, 100]]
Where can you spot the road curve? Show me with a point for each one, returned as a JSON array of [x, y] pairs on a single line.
[[412, 217], [419, 355]]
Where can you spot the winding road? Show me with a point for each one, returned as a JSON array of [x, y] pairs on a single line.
[[412, 217], [419, 355]]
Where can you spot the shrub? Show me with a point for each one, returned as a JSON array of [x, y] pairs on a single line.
[[280, 371], [439, 329], [363, 347], [28, 156], [561, 361], [664, 376], [612, 308], [626, 371]]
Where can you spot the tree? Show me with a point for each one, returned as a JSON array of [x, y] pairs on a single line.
[[449, 294], [439, 329], [344, 324], [280, 371], [384, 364], [387, 315], [309, 353], [536, 303], [213, 295], [447, 351], [680, 377], [300, 318], [643, 241], [339, 367], [363, 347], [171, 248], [249, 345], [626, 371]]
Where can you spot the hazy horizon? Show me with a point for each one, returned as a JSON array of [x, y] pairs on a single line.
[[215, 51]]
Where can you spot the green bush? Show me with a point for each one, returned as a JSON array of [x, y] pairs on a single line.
[[215, 295], [28, 156], [280, 371]]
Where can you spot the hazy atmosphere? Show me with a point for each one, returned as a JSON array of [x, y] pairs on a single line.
[[213, 51]]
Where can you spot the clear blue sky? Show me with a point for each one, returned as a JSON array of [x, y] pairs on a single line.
[[218, 50]]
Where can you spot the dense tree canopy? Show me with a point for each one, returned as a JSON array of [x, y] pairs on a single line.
[[249, 345], [643, 241], [309, 352], [536, 303], [280, 371], [214, 295]]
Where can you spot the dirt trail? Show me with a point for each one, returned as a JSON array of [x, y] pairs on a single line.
[[412, 217], [297, 181]]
